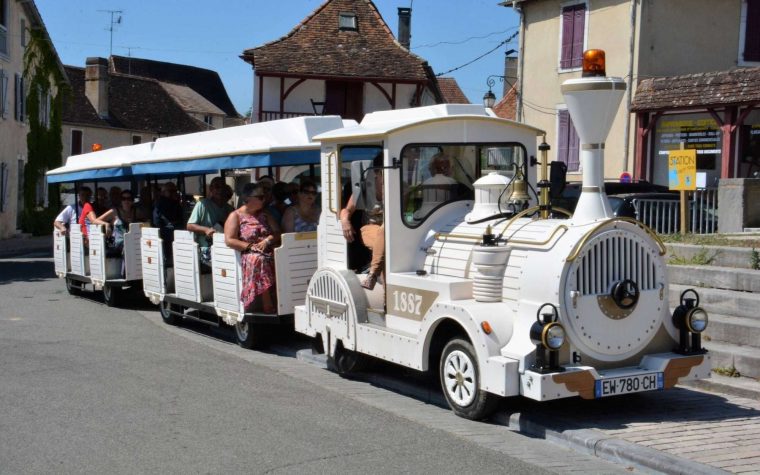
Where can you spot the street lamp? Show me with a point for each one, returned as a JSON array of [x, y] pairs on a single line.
[[489, 99]]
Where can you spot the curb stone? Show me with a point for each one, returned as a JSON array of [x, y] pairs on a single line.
[[587, 441]]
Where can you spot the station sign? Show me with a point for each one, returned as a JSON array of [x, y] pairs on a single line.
[[682, 170]]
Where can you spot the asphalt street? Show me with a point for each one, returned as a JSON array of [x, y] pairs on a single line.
[[89, 389]]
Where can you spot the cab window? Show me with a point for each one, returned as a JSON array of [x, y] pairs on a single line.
[[433, 175]]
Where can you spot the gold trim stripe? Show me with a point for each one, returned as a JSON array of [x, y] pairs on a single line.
[[591, 189]]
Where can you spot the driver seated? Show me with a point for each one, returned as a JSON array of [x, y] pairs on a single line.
[[439, 188]]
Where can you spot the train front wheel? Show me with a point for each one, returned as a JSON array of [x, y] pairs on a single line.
[[168, 312], [73, 287], [111, 295], [460, 380], [245, 334]]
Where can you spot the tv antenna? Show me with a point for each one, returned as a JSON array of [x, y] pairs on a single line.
[[115, 20]]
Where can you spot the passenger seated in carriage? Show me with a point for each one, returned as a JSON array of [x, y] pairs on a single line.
[[251, 230], [439, 188], [168, 216], [117, 221], [303, 216], [71, 213], [208, 217]]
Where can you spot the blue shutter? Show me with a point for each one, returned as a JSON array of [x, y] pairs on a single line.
[[573, 146], [562, 140], [579, 30]]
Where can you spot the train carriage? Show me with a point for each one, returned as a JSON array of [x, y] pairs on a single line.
[[499, 299], [83, 263]]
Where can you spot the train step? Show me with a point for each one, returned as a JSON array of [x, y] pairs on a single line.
[[720, 301], [716, 277], [735, 330], [726, 356]]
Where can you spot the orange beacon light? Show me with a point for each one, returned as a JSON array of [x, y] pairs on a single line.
[[593, 63]]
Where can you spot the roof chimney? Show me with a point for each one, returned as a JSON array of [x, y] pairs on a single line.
[[404, 26], [510, 73], [96, 84]]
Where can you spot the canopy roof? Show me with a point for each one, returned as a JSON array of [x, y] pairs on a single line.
[[378, 124], [281, 142]]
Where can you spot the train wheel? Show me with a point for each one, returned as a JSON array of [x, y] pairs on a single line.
[[111, 295], [166, 310], [346, 361], [461, 382], [74, 288], [245, 335]]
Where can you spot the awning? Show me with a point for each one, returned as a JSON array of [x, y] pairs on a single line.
[[99, 174], [216, 164]]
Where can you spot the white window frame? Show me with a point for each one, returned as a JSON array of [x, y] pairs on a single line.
[[742, 37], [563, 5]]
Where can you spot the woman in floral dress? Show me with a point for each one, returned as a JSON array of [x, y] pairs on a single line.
[[254, 232]]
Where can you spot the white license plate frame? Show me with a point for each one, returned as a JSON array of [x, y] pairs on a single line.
[[629, 384]]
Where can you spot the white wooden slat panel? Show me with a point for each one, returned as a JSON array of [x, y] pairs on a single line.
[[133, 252], [97, 254], [295, 263], [152, 256], [227, 277], [60, 252], [186, 266]]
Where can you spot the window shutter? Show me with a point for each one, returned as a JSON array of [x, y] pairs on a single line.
[[579, 29], [3, 94], [567, 38], [563, 117], [752, 31], [573, 146], [17, 97]]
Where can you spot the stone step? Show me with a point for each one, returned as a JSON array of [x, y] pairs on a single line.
[[723, 256], [730, 278], [741, 386], [745, 359], [734, 330], [723, 302]]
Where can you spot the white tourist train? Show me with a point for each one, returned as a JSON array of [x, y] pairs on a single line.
[[481, 281]]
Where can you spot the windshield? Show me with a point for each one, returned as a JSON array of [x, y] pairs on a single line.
[[433, 175]]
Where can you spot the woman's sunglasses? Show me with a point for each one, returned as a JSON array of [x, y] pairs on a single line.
[[309, 192]]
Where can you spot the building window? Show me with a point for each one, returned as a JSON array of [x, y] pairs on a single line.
[[3, 94], [43, 103], [4, 14], [208, 119], [4, 190], [20, 99], [573, 36], [136, 139], [76, 142], [567, 141], [749, 33], [23, 33], [347, 21]]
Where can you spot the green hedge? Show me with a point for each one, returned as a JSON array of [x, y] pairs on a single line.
[[38, 222]]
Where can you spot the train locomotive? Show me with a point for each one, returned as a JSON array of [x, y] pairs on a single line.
[[498, 294]]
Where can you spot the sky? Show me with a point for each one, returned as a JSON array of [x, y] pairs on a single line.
[[213, 34]]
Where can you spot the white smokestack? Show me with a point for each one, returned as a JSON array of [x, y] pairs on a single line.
[[592, 103]]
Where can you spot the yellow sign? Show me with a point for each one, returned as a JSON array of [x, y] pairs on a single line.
[[682, 170]]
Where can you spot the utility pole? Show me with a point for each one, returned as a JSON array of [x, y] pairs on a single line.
[[115, 20]]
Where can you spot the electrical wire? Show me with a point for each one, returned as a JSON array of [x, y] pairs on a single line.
[[460, 42], [512, 37]]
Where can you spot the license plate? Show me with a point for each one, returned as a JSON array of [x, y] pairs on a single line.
[[628, 384]]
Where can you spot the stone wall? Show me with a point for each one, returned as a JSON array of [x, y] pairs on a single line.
[[739, 204]]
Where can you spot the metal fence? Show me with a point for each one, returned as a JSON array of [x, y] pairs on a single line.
[[664, 216]]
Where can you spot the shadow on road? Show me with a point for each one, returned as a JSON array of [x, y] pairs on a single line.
[[621, 412], [25, 270]]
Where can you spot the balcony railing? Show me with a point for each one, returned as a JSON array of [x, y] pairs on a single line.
[[664, 215], [276, 115]]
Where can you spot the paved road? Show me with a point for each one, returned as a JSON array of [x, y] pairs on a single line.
[[85, 388]]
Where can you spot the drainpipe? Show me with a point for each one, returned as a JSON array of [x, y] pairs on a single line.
[[629, 92], [519, 114]]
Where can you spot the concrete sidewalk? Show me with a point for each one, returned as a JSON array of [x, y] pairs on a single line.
[[23, 246]]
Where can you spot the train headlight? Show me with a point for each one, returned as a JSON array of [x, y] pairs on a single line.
[[690, 319], [547, 334], [553, 336], [696, 320]]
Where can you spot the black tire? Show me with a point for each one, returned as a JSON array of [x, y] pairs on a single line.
[[111, 295], [345, 361], [460, 381], [73, 287], [166, 308], [246, 335]]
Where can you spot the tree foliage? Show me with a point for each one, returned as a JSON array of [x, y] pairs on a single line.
[[44, 142]]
